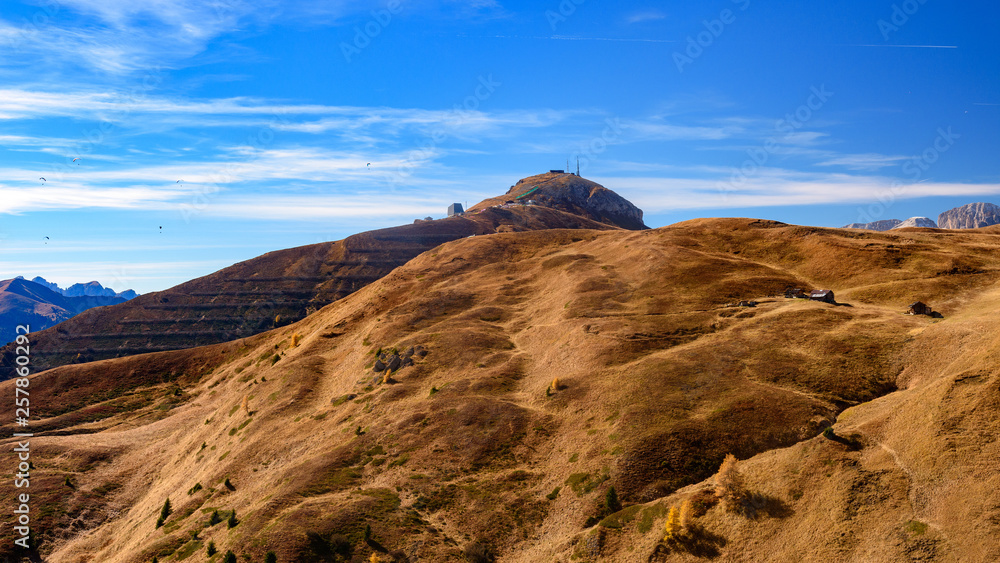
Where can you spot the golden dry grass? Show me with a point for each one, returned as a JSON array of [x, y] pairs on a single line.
[[659, 381]]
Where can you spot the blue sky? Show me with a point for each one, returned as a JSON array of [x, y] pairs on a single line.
[[242, 127]]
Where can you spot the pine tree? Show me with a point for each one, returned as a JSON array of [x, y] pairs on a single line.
[[230, 557], [232, 519], [166, 510], [375, 558], [673, 525], [611, 503], [211, 549], [270, 557]]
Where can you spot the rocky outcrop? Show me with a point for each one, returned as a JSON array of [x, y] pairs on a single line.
[[572, 194], [917, 222], [883, 225], [971, 216]]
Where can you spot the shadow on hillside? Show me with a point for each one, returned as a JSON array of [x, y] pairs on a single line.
[[697, 541], [765, 506], [839, 304], [853, 441]]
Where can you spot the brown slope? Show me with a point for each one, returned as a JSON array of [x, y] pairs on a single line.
[[259, 294], [659, 380]]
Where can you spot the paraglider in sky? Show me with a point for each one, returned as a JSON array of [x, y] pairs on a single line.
[[178, 181], [42, 179], [369, 166], [76, 159], [46, 238]]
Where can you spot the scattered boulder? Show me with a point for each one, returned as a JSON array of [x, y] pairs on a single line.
[[394, 363], [379, 366]]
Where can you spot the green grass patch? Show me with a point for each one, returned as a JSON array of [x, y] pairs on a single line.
[[399, 462], [619, 519], [649, 514], [915, 527]]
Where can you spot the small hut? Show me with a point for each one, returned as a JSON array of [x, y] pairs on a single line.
[[795, 293], [825, 295], [918, 308]]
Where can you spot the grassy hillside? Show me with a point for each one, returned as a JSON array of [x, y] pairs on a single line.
[[474, 448], [266, 292]]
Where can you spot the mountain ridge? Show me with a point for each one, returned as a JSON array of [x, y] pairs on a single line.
[[284, 286]]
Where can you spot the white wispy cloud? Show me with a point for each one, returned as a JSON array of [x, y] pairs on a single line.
[[868, 161], [645, 16], [777, 187]]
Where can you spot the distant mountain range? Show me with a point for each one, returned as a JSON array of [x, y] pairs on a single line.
[[41, 304], [90, 289], [970, 216]]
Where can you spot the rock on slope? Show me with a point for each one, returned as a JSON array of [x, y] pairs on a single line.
[[916, 222], [658, 380], [284, 286], [883, 225], [971, 216]]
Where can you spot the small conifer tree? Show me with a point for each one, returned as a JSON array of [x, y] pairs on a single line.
[[729, 487], [687, 515], [673, 526], [611, 503], [232, 522], [555, 384], [166, 510], [211, 549], [375, 558], [230, 557], [271, 557]]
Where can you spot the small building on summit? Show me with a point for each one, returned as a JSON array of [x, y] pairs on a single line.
[[822, 295], [557, 171], [918, 308], [455, 209]]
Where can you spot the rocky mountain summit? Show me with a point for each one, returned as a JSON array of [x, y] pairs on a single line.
[[883, 225], [917, 222], [970, 216], [89, 289], [572, 194]]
